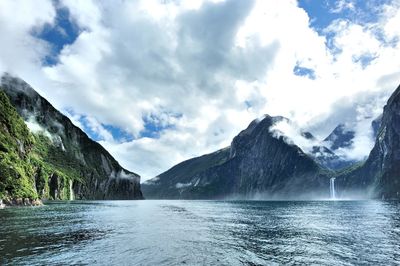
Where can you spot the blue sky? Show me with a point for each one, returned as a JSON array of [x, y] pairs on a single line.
[[323, 12], [63, 32]]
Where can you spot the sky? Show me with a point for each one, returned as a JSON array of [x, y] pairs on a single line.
[[157, 82]]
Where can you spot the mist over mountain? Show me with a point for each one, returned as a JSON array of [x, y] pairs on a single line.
[[318, 149]]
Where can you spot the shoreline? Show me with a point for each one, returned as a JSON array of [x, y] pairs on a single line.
[[20, 202]]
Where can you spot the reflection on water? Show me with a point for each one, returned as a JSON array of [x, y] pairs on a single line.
[[202, 233]]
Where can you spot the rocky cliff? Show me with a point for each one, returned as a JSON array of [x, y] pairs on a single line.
[[257, 164], [379, 176], [55, 159]]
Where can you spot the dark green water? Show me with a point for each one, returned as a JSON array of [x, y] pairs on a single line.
[[202, 233]]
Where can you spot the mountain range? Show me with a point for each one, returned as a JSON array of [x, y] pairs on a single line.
[[262, 164], [43, 155]]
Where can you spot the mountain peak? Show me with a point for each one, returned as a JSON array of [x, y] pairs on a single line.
[[395, 97], [15, 85], [341, 137]]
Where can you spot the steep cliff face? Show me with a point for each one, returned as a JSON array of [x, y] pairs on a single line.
[[376, 125], [69, 163], [379, 176], [259, 164]]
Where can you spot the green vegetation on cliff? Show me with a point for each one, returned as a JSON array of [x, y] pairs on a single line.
[[28, 161], [16, 173]]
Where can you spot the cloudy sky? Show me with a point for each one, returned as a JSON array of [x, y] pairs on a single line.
[[160, 81]]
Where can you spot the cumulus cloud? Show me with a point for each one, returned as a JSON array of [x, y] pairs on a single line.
[[20, 51], [342, 5], [197, 72]]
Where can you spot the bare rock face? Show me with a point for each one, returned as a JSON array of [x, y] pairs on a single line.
[[70, 164], [257, 164], [54, 186], [376, 125], [379, 176]]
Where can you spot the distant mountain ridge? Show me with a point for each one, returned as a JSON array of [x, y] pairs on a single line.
[[341, 137], [64, 162]]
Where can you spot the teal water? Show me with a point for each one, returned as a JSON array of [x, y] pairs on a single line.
[[202, 233]]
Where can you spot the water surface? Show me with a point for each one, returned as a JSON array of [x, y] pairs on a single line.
[[202, 233]]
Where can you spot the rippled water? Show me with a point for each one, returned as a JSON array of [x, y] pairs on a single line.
[[202, 233]]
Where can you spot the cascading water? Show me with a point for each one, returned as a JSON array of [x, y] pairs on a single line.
[[332, 188], [71, 190]]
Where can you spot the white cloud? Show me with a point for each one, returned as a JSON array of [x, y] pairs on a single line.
[[21, 52], [294, 134], [342, 5], [97, 127], [202, 70], [392, 21]]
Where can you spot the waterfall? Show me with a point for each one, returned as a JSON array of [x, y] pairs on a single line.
[[71, 190], [332, 188]]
